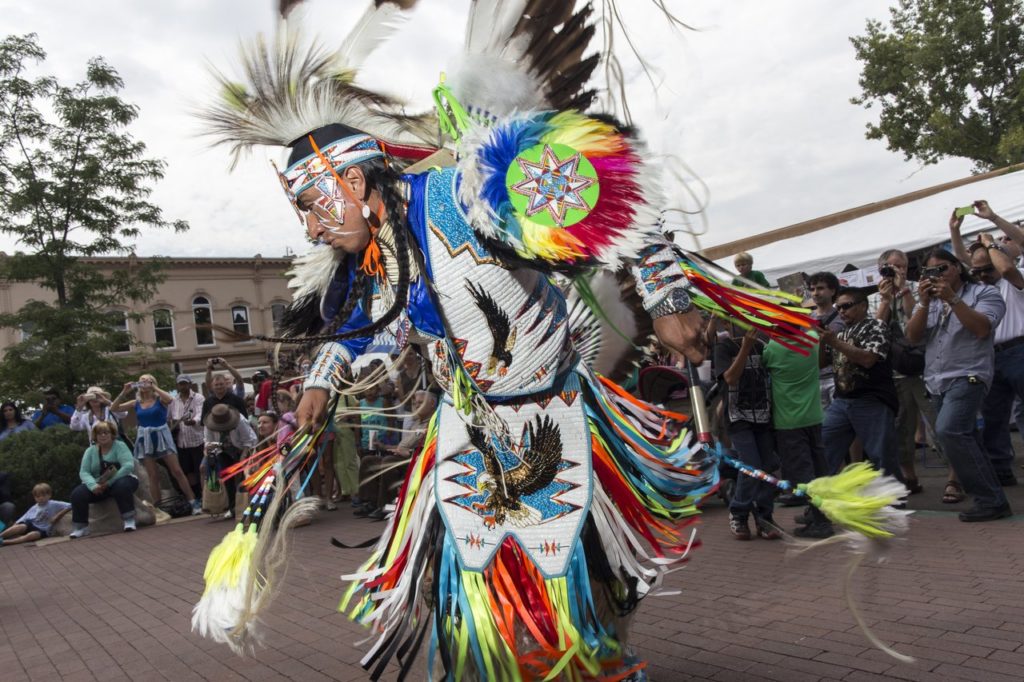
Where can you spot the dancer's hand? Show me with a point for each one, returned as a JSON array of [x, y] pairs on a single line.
[[312, 408], [683, 333]]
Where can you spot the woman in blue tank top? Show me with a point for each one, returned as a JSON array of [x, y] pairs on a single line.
[[153, 440]]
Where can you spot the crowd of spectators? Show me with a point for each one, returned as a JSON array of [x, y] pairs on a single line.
[[194, 433], [910, 364], [913, 362]]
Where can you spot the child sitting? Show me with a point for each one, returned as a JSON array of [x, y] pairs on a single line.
[[35, 524]]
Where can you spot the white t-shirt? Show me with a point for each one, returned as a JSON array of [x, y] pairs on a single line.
[[1012, 325]]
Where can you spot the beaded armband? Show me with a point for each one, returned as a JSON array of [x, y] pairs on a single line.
[[332, 360], [658, 277]]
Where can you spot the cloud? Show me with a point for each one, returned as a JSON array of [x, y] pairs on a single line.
[[755, 102]]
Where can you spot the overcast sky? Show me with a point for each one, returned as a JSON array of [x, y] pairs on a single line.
[[756, 102]]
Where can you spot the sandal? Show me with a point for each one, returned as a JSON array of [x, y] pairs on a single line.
[[953, 493]]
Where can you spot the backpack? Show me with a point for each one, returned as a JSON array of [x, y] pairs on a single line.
[[176, 506]]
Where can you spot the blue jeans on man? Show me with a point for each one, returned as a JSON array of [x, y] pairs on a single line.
[[1007, 384], [956, 426], [872, 421], [754, 446]]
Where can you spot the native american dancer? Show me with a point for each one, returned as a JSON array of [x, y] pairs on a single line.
[[547, 501]]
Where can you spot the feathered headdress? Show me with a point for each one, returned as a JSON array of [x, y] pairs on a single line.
[[292, 86]]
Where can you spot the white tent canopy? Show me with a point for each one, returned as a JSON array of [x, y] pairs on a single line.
[[914, 225]]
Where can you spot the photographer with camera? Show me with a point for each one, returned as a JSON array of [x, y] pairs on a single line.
[[183, 415], [228, 438], [93, 407], [217, 363], [994, 264], [894, 304], [957, 317], [220, 391]]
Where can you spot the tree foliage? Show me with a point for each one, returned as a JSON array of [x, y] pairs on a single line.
[[948, 76], [73, 183]]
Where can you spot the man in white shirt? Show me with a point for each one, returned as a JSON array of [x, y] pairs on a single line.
[[991, 263]]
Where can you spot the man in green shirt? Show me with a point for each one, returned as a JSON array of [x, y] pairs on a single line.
[[797, 418]]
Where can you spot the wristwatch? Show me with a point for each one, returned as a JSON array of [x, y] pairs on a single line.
[[997, 247], [953, 301], [677, 301]]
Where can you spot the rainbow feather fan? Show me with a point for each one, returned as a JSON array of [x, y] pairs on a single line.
[[560, 187]]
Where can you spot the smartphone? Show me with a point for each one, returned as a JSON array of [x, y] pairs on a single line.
[[965, 210]]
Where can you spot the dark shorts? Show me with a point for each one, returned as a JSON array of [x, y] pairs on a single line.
[[30, 527]]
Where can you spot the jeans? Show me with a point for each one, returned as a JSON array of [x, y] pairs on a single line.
[[802, 454], [957, 428], [870, 420], [122, 490], [754, 446], [1007, 384]]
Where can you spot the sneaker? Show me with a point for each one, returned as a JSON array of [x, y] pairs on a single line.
[[364, 510], [804, 518], [377, 515], [129, 525], [815, 531], [738, 526], [229, 514], [791, 500], [331, 506], [766, 528], [197, 507], [356, 502], [80, 533]]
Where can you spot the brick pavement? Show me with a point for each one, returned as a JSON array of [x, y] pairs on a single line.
[[951, 595]]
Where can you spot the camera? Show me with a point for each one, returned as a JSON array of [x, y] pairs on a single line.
[[887, 271], [932, 273]]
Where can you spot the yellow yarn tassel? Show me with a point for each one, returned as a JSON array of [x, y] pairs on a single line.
[[860, 498]]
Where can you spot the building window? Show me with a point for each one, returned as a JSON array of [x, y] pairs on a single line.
[[202, 316], [119, 325], [277, 314], [27, 329], [240, 319], [163, 328]]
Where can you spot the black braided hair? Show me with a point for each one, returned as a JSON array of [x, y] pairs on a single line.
[[379, 176]]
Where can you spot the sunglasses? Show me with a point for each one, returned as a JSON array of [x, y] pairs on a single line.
[[843, 307], [983, 271]]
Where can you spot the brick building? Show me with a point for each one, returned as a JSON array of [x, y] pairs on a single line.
[[246, 294]]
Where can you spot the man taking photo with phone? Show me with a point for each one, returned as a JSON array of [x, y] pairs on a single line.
[[957, 317], [992, 264]]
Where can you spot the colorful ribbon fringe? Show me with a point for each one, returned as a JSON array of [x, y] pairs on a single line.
[[509, 621]]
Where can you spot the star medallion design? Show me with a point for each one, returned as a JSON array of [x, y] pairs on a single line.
[[560, 180]]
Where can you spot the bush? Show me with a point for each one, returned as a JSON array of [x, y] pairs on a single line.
[[52, 456]]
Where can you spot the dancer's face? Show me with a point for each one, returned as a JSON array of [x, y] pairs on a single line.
[[330, 214]]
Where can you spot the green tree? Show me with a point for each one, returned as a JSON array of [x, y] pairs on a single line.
[[73, 183], [948, 76]]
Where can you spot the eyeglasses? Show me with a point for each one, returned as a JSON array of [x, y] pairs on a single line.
[[843, 307], [983, 271]]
